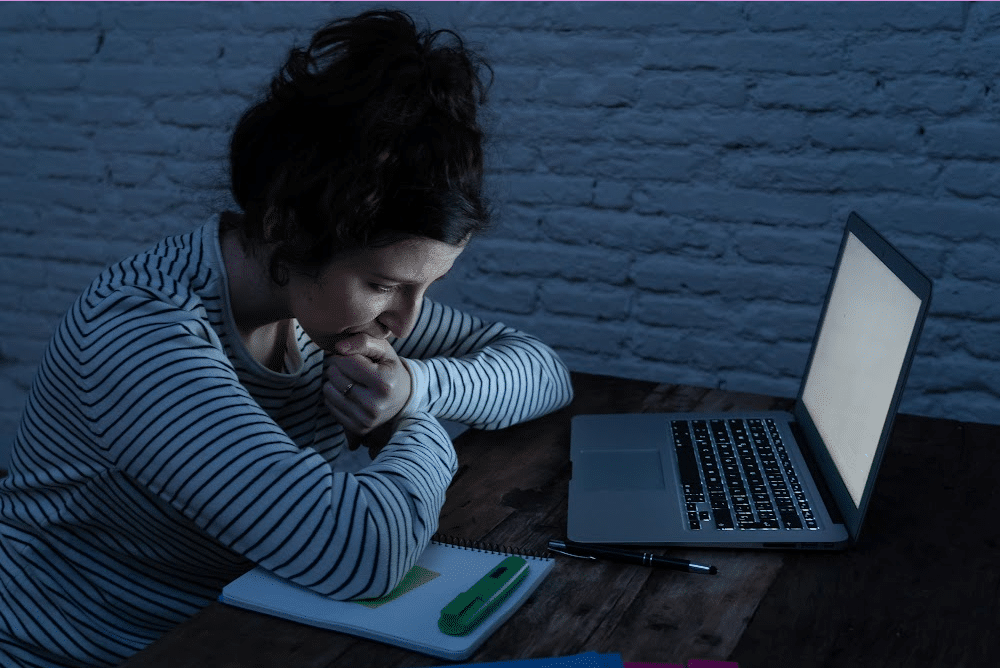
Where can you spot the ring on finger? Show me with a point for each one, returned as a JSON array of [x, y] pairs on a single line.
[[347, 390]]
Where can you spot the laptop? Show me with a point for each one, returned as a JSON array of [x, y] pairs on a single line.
[[766, 479]]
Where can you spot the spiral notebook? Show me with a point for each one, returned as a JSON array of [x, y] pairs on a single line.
[[406, 617]]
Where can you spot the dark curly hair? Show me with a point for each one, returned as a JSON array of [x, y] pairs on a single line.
[[367, 137]]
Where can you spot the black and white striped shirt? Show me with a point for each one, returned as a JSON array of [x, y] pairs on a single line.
[[156, 460]]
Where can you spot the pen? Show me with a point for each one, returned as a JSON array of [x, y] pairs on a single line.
[[580, 550]]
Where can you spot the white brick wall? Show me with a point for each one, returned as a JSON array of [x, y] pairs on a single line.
[[671, 178]]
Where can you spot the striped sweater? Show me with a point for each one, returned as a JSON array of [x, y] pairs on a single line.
[[156, 460]]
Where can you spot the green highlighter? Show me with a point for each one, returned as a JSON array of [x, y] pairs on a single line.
[[471, 607]]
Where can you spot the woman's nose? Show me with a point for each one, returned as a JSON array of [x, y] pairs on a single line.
[[401, 317]]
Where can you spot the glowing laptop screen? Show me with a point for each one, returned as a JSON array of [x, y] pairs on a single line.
[[857, 361]]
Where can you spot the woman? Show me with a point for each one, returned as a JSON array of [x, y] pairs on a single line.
[[190, 412]]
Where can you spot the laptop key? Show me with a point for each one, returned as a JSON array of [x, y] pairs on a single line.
[[723, 520]]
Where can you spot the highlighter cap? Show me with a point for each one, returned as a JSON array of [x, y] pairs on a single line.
[[471, 607]]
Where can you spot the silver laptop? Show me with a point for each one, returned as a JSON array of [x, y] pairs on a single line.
[[766, 479]]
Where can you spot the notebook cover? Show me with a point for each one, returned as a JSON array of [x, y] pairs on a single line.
[[409, 621]]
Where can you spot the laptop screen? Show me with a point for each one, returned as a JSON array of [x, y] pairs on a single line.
[[857, 361]]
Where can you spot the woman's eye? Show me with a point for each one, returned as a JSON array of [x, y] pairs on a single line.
[[382, 288]]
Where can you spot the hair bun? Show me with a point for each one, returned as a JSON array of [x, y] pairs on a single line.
[[372, 113]]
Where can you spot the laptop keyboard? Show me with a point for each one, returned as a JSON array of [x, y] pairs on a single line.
[[741, 469]]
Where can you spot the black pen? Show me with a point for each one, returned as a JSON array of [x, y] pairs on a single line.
[[583, 551]]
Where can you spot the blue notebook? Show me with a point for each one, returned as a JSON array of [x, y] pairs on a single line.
[[407, 617], [585, 660]]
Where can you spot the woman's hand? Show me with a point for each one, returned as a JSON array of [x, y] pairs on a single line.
[[367, 387]]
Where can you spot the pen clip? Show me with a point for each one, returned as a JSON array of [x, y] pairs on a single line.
[[575, 556], [569, 554]]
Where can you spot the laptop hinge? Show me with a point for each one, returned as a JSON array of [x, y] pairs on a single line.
[[817, 475]]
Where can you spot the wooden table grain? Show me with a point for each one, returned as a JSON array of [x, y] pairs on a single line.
[[921, 588]]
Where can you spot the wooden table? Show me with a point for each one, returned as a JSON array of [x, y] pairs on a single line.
[[921, 587]]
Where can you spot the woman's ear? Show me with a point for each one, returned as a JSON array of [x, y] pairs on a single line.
[[270, 224]]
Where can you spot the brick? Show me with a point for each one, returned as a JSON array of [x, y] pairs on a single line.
[[610, 160], [550, 189], [682, 312], [629, 232], [945, 96], [515, 296], [22, 16], [516, 157], [21, 347], [585, 89], [72, 16], [584, 299], [513, 221], [781, 246], [971, 179], [838, 173], [197, 48], [837, 92], [772, 281], [18, 217], [67, 195], [250, 83], [744, 53], [147, 139], [40, 77], [977, 262], [958, 372], [581, 334], [948, 219], [157, 18], [32, 133], [778, 321], [886, 55], [21, 272], [676, 90], [541, 260], [527, 123], [867, 134], [733, 204], [80, 165], [51, 301], [143, 81], [612, 194], [759, 383], [963, 406], [983, 20], [843, 17], [670, 345], [980, 341], [36, 47], [572, 51], [197, 112], [63, 107], [611, 16], [957, 298], [964, 139], [979, 57], [735, 130], [48, 246], [126, 170], [123, 48]]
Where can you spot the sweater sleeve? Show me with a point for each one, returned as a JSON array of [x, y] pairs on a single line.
[[168, 410], [486, 375]]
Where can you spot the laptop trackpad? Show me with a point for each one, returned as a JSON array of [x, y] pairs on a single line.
[[619, 469]]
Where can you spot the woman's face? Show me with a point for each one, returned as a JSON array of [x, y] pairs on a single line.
[[376, 291]]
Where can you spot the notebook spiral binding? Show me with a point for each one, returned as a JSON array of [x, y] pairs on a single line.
[[479, 546]]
